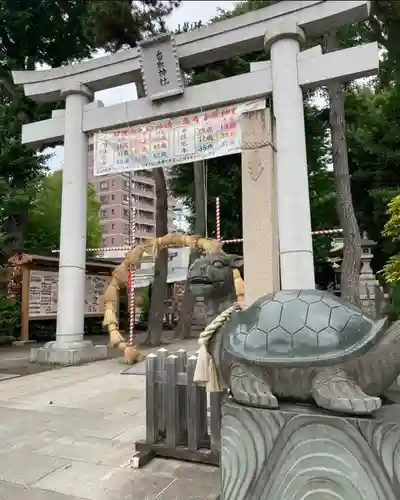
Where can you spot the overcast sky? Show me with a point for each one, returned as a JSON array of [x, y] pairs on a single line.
[[189, 11]]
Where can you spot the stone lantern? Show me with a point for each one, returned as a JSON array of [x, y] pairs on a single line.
[[368, 282]]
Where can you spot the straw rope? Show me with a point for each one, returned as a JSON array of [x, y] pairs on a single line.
[[206, 372], [119, 279]]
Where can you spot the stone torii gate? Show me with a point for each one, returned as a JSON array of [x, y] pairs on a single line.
[[279, 29]]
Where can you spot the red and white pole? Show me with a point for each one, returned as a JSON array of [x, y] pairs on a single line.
[[131, 285], [218, 219]]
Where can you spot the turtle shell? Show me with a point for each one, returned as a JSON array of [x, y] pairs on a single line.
[[306, 327]]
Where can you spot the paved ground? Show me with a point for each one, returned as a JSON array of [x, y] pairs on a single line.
[[15, 360], [68, 434]]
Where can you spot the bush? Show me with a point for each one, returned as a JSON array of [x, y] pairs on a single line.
[[10, 319], [45, 330], [394, 303]]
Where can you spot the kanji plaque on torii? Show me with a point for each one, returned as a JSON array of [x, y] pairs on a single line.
[[159, 63]]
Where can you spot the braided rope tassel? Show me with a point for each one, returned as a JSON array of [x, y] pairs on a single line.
[[206, 372]]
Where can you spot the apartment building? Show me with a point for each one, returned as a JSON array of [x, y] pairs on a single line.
[[113, 192]]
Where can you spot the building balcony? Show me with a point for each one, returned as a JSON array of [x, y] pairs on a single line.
[[144, 206], [144, 180], [143, 220], [142, 192]]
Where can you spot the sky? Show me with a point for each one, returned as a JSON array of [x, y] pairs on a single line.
[[189, 11]]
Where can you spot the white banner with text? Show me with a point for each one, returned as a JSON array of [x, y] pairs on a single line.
[[170, 142]]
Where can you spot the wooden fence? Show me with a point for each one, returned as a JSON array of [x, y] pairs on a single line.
[[182, 420]]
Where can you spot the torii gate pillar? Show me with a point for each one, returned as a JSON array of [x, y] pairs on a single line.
[[69, 347], [294, 215]]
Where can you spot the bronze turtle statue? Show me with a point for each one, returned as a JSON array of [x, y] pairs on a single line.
[[300, 345]]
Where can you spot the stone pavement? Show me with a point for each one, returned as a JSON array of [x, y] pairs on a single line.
[[68, 434]]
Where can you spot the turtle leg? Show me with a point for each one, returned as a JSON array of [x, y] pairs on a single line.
[[251, 389], [333, 389]]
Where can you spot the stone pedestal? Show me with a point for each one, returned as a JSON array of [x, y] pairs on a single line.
[[80, 352], [299, 452]]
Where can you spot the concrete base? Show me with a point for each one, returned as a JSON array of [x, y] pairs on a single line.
[[298, 451], [21, 343], [76, 353]]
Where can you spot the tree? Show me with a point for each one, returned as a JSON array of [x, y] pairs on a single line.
[[19, 171], [52, 33], [118, 25], [351, 262], [159, 288], [373, 137], [31, 33], [43, 226]]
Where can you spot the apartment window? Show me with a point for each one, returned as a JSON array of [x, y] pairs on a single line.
[[126, 184], [146, 229], [112, 211], [112, 197], [113, 183], [126, 212], [112, 241], [126, 228], [104, 199], [103, 186], [103, 214], [126, 241], [91, 147], [126, 198], [104, 241], [113, 226]]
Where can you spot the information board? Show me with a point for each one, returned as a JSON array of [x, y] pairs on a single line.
[[43, 294], [172, 141]]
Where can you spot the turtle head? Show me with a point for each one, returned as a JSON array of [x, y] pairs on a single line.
[[211, 276]]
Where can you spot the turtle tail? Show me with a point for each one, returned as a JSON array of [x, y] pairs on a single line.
[[379, 367]]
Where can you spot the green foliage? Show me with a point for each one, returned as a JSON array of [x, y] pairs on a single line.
[[394, 302], [45, 330], [373, 138], [43, 228], [9, 319], [19, 170], [391, 270], [117, 25]]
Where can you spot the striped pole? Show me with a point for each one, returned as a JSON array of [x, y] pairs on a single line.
[[326, 231], [131, 285], [103, 249], [218, 219]]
